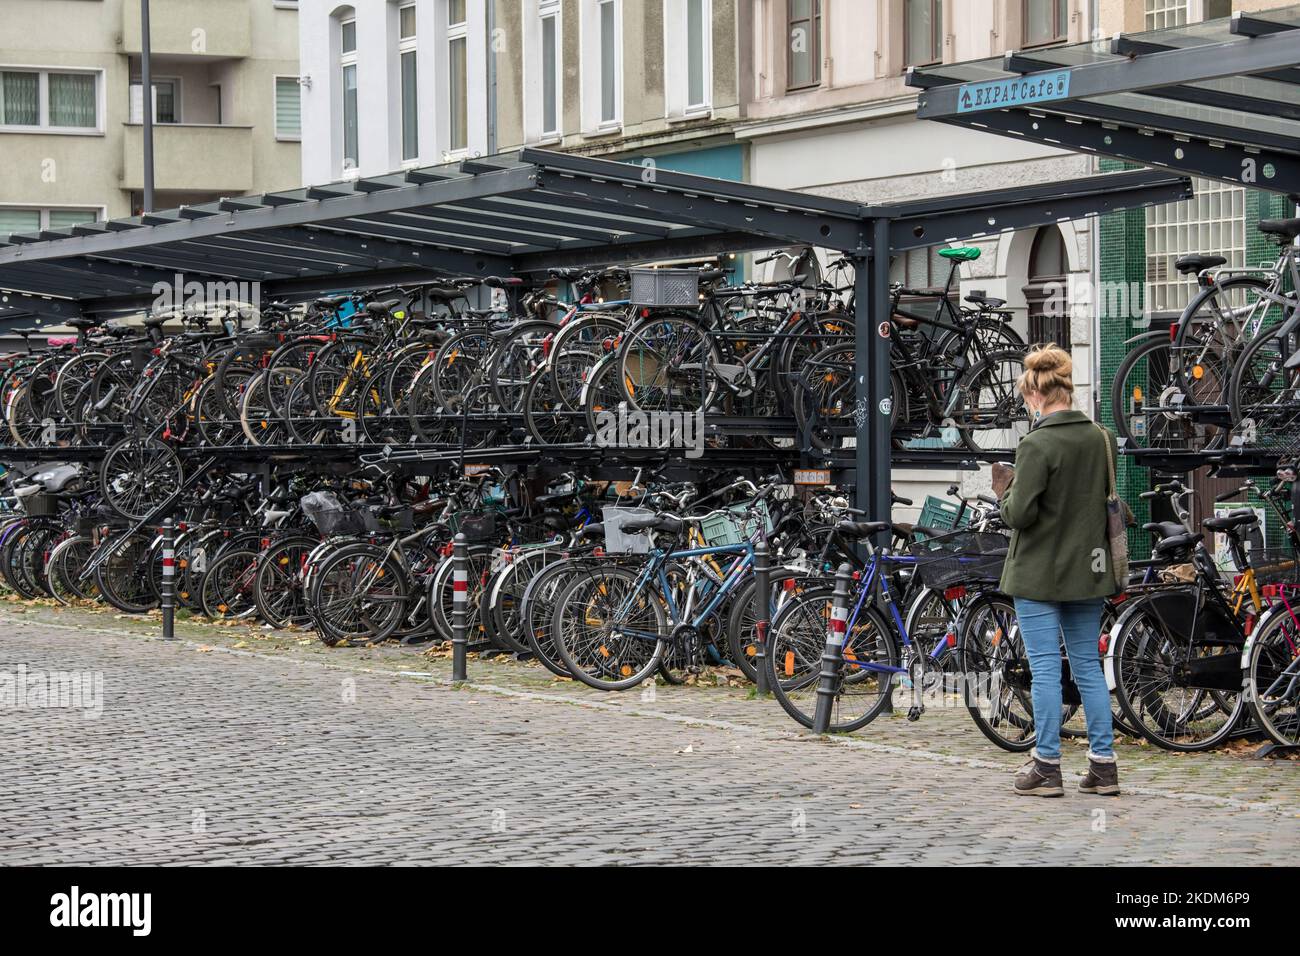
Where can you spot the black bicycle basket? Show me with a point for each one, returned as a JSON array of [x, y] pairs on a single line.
[[963, 557]]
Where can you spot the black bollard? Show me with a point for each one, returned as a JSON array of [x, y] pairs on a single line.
[[833, 655], [762, 613], [169, 579], [459, 608]]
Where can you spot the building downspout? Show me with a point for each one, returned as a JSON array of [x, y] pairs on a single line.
[[1094, 31], [491, 80]]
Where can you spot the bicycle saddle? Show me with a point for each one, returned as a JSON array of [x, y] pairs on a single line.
[[708, 275], [1177, 543], [1165, 529], [154, 321], [1190, 264], [382, 308], [986, 301], [443, 293], [82, 322], [1282, 228], [591, 531], [863, 529], [1239, 518], [329, 301], [657, 523], [498, 282], [569, 275], [961, 253]]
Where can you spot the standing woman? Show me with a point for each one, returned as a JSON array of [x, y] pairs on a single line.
[[1058, 567]]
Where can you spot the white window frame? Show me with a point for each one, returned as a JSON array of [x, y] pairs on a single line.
[[100, 211], [275, 103], [551, 10], [533, 13], [593, 66], [43, 93], [677, 83], [407, 46], [178, 96], [347, 59], [285, 4], [451, 33]]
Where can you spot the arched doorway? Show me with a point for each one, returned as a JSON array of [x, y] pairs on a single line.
[[1046, 293]]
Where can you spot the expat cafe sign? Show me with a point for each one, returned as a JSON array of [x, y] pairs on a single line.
[[1013, 91]]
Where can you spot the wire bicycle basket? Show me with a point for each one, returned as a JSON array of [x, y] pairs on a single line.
[[963, 557]]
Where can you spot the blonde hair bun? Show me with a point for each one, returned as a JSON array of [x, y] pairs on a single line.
[[1050, 373]]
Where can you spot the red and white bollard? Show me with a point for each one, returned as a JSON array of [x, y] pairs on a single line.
[[168, 590], [459, 608]]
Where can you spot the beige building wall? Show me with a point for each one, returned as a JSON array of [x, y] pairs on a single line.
[[230, 148]]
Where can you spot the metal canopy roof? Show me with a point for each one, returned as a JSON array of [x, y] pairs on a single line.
[[1219, 99], [515, 213]]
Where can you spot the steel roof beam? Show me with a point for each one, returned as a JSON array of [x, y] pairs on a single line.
[[1173, 67], [567, 216], [654, 250], [397, 254], [451, 238], [1233, 164], [58, 309], [439, 221], [292, 213]]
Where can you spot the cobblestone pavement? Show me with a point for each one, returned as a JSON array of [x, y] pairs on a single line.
[[234, 745]]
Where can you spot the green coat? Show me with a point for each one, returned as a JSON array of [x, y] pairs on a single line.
[[1056, 506]]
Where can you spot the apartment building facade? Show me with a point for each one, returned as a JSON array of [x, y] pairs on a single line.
[[404, 82], [224, 98]]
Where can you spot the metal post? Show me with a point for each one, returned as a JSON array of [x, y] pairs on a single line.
[[880, 502], [833, 654], [762, 613], [459, 610], [169, 579], [146, 93]]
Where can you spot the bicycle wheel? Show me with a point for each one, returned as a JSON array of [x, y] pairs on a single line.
[[796, 642], [278, 583], [1165, 676], [987, 408], [539, 610], [1272, 665], [593, 617], [1148, 402], [668, 363], [227, 589], [63, 570], [124, 576], [139, 476], [1265, 393], [995, 672]]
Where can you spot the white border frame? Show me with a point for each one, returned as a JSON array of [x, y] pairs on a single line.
[[43, 92]]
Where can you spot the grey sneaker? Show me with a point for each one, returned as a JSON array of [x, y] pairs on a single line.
[[1102, 777], [1040, 778]]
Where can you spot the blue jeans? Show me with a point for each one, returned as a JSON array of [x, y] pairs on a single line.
[[1041, 624]]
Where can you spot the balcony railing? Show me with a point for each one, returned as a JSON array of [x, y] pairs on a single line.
[[215, 28], [191, 157]]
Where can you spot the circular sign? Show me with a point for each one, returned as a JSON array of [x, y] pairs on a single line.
[[886, 406], [884, 330]]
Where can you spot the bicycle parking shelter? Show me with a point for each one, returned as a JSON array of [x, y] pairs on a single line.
[[520, 214]]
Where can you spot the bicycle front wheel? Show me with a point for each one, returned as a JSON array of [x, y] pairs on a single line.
[[1273, 678], [602, 625]]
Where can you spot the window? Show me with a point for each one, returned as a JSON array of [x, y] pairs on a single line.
[[1165, 13], [43, 99], [550, 60], [348, 65], [457, 76], [1212, 222], [1045, 21], [923, 31], [804, 62], [166, 101], [14, 219], [288, 108], [697, 54], [1047, 293], [610, 57], [921, 269], [410, 96]]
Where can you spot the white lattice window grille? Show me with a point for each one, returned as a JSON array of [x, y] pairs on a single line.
[[1213, 222], [1165, 13]]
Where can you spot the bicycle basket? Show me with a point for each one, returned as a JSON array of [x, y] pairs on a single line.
[[963, 557], [665, 287], [734, 525], [476, 527], [330, 515], [1275, 566], [39, 504], [618, 541]]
